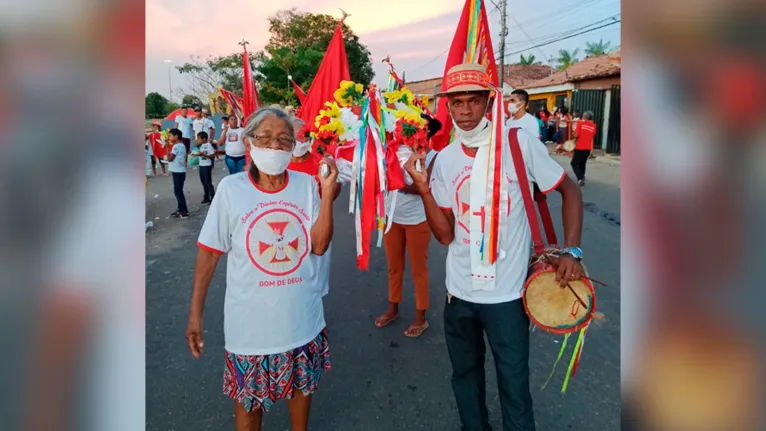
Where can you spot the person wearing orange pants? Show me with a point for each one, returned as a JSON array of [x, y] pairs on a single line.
[[410, 231]]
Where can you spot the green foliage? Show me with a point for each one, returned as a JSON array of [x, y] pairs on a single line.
[[567, 58], [155, 105], [191, 101], [296, 47], [529, 60], [217, 71], [596, 48]]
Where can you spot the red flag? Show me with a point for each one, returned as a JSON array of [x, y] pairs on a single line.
[[299, 92], [234, 101], [332, 71], [477, 49], [249, 93]]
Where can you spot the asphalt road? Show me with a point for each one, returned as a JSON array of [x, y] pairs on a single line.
[[381, 380]]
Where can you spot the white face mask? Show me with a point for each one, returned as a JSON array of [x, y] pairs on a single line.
[[270, 162], [514, 108], [301, 148], [473, 132]]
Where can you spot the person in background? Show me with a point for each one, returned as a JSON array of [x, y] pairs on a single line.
[[409, 234], [276, 345], [150, 169], [544, 115], [519, 116], [231, 139], [540, 124], [157, 144], [562, 129], [219, 148], [202, 124], [184, 124], [584, 134], [210, 128], [206, 155], [562, 125], [209, 124], [575, 119], [552, 120], [177, 167]]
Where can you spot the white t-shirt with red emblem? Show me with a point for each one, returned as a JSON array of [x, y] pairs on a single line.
[[451, 188], [273, 295]]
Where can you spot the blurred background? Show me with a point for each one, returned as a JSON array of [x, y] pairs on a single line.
[[72, 215], [694, 154]]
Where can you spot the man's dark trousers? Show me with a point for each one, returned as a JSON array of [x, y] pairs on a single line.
[[579, 160], [178, 189], [507, 328], [206, 178]]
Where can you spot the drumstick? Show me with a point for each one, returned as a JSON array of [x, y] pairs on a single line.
[[577, 296], [595, 281]]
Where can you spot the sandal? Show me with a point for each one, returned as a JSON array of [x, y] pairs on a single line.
[[385, 320], [416, 331]]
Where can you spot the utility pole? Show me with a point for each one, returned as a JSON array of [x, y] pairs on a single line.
[[503, 34], [170, 82]]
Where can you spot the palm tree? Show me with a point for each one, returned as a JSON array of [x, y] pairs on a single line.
[[597, 48], [529, 60], [567, 58]]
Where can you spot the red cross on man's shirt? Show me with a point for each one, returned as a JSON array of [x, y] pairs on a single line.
[[481, 214]]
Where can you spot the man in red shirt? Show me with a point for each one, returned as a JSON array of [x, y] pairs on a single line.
[[583, 134]]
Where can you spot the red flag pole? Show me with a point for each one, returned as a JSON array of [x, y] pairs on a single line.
[[249, 93], [483, 53], [332, 70]]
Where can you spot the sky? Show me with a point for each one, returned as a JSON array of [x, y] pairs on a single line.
[[415, 33]]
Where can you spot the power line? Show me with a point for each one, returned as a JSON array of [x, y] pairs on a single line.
[[547, 37], [616, 21]]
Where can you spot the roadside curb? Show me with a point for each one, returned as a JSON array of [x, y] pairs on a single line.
[[614, 161]]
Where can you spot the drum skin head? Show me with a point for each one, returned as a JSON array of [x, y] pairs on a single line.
[[558, 310]]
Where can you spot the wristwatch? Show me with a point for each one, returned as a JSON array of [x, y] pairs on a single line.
[[575, 252]]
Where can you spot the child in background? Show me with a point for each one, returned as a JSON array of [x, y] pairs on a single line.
[[206, 155], [177, 166]]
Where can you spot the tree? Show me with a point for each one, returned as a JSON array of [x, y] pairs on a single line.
[[216, 71], [597, 48], [155, 105], [528, 61], [567, 58], [296, 47], [192, 101]]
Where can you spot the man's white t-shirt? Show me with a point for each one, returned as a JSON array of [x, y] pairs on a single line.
[[451, 188], [206, 148], [273, 298], [185, 126], [528, 122], [199, 125], [409, 209], [235, 147], [209, 127], [179, 162]]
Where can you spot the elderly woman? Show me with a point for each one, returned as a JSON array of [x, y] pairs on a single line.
[[268, 220]]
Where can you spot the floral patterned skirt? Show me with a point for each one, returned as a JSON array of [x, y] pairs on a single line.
[[258, 381]]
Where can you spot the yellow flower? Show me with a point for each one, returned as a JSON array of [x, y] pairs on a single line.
[[359, 88], [346, 84], [332, 111]]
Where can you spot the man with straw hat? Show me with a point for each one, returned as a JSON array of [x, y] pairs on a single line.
[[489, 241]]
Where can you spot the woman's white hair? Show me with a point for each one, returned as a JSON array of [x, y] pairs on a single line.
[[257, 118]]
